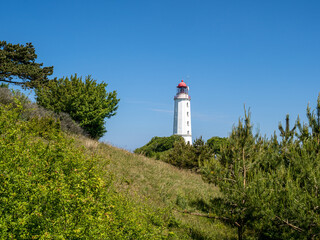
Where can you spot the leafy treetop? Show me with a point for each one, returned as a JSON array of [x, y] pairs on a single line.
[[215, 143], [88, 103]]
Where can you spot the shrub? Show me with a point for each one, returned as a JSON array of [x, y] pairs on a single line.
[[181, 155], [158, 145], [51, 189], [32, 110], [175, 151], [215, 144]]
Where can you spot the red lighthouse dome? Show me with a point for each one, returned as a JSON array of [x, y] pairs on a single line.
[[182, 85], [182, 89]]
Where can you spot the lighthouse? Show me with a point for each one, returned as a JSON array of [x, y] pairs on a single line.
[[182, 113]]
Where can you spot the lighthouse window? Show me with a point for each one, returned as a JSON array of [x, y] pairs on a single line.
[[187, 114], [187, 123], [188, 132], [187, 104]]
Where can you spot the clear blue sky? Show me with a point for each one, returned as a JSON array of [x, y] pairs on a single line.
[[265, 54]]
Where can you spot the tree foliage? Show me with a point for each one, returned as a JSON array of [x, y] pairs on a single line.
[[181, 155], [234, 173], [270, 188], [88, 102], [175, 151], [184, 155], [286, 133], [215, 143], [158, 145], [18, 66]]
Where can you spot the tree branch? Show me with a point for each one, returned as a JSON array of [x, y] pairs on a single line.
[[290, 225], [8, 81], [202, 215]]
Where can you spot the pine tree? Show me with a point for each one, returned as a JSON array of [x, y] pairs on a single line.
[[18, 66], [287, 134], [235, 174], [314, 121], [291, 183]]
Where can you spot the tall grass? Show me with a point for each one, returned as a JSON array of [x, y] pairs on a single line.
[[163, 188]]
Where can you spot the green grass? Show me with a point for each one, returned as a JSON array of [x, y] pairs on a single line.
[[165, 189]]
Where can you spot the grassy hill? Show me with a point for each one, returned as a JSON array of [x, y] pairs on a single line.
[[52, 187], [57, 185], [159, 187]]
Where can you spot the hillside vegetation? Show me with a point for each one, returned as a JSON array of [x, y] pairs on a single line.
[[52, 188], [175, 151], [269, 188], [173, 193], [57, 185]]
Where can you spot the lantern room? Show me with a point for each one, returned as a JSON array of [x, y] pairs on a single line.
[[182, 88]]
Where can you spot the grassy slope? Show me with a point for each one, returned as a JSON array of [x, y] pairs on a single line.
[[164, 188]]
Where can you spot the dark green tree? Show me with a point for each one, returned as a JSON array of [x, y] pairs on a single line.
[[312, 128], [270, 189], [303, 130], [88, 102], [287, 136], [215, 143], [286, 133], [182, 155], [235, 173], [18, 66], [201, 151], [314, 121], [158, 145], [290, 181]]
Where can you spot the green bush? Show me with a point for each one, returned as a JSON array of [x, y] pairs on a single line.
[[181, 155], [188, 156], [32, 110], [175, 151], [52, 189], [158, 145], [215, 144]]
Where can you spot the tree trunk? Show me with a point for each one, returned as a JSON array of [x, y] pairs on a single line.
[[240, 233], [244, 169]]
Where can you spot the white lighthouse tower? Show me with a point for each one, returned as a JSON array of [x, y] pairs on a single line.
[[182, 113]]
